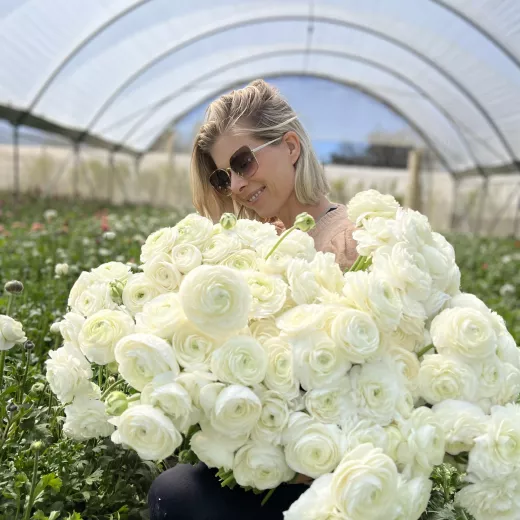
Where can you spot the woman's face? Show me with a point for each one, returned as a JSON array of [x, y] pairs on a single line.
[[273, 184]]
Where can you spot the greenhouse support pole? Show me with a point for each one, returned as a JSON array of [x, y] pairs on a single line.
[[111, 173], [77, 166], [516, 220], [454, 216], [16, 161], [413, 193], [482, 203]]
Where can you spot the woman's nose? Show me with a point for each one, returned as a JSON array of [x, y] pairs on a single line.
[[238, 183]]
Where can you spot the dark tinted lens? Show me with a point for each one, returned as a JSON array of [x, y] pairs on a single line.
[[243, 162], [220, 180]]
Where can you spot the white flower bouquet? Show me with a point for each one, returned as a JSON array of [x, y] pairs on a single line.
[[256, 355]]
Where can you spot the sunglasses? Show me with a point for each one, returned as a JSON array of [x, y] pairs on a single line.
[[243, 162]]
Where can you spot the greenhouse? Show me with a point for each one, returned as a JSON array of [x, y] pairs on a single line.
[[365, 313]]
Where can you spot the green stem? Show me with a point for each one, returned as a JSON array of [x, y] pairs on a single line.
[[10, 299], [134, 397], [280, 240], [424, 350], [5, 432], [229, 481], [100, 376], [2, 363], [111, 387], [355, 265], [22, 388], [27, 514], [267, 496]]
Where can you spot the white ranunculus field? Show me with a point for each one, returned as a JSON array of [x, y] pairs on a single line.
[[132, 340]]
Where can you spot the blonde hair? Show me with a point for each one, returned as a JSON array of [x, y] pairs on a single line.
[[260, 110]]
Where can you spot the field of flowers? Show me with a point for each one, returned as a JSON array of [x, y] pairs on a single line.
[[46, 245]]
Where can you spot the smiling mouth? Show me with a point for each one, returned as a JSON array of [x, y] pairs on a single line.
[[255, 195]]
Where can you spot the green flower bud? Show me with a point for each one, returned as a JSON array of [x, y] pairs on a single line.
[[228, 221], [304, 222], [113, 368], [116, 291], [116, 403], [28, 345], [13, 287], [37, 388], [36, 446]]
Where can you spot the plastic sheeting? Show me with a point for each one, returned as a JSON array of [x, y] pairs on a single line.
[[120, 72]]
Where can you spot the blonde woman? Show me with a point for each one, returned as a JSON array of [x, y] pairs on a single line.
[[252, 157]]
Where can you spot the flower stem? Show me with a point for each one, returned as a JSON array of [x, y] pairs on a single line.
[[2, 363], [111, 387], [356, 265], [424, 350], [267, 496], [22, 386], [100, 376], [10, 299], [280, 240], [27, 514]]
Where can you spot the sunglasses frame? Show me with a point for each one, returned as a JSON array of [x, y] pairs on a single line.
[[228, 171]]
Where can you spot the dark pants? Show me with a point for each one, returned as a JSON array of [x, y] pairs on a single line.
[[188, 492]]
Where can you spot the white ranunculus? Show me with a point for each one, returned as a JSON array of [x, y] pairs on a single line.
[[423, 443], [110, 271], [332, 404], [377, 389], [490, 374], [357, 335], [273, 419], [252, 232], [384, 303], [142, 356], [509, 389], [68, 374], [315, 503], [216, 299], [232, 410], [364, 485], [160, 241], [61, 269], [327, 272], [86, 419], [374, 234], [464, 332], [194, 229], [219, 246], [163, 272], [240, 360], [394, 438], [172, 398], [304, 287], [11, 332], [507, 350], [264, 329], [186, 257], [462, 423], [94, 298], [296, 245], [312, 448], [412, 227], [404, 268], [160, 316], [369, 204], [364, 431], [301, 318], [318, 361], [412, 498], [214, 449], [442, 378], [100, 333], [407, 364], [148, 431], [435, 302], [70, 328], [355, 290], [193, 348], [243, 260], [268, 294], [84, 281], [469, 301], [492, 499], [497, 452], [193, 382], [138, 291], [280, 374], [261, 466]]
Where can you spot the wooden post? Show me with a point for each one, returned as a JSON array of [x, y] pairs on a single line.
[[413, 192]]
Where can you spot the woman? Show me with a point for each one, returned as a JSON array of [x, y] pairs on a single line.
[[253, 157]]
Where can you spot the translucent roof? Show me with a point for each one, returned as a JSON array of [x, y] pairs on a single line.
[[118, 73]]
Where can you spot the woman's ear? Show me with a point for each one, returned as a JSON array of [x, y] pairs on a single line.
[[292, 142]]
